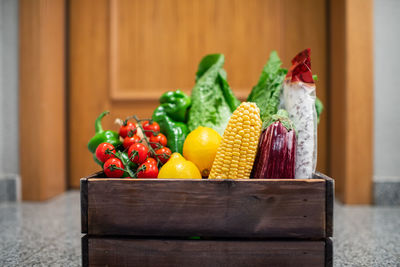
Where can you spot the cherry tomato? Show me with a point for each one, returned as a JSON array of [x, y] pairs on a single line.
[[158, 139], [103, 152], [149, 169], [128, 141], [110, 168], [150, 129], [151, 161], [163, 154], [140, 151], [128, 128]]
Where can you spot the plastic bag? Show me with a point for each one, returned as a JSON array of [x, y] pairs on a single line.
[[299, 100]]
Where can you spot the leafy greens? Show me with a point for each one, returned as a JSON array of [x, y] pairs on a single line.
[[266, 94], [212, 99]]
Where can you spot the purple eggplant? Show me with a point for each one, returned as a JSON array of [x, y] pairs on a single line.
[[276, 153]]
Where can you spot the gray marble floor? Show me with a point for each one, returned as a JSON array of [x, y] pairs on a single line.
[[48, 234]]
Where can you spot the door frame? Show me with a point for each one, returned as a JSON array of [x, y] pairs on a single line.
[[42, 105]]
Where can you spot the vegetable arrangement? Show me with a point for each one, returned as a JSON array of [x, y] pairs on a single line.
[[140, 155], [271, 135]]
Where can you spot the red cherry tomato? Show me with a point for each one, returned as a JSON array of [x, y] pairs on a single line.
[[150, 129], [112, 168], [128, 141], [140, 151], [149, 169], [151, 161], [103, 152], [163, 154], [126, 129], [157, 140]]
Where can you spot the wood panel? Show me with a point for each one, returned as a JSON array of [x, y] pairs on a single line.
[[360, 85], [164, 252], [338, 92], [88, 81], [352, 99], [218, 208], [123, 54], [156, 45], [42, 98]]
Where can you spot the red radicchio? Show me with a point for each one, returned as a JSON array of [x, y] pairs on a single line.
[[276, 149]]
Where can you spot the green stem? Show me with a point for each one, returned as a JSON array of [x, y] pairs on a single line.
[[134, 153], [131, 132], [142, 168], [129, 171], [164, 154], [108, 152], [152, 152], [97, 124], [156, 143], [126, 164], [114, 167]]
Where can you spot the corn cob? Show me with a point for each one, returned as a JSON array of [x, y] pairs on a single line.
[[235, 156]]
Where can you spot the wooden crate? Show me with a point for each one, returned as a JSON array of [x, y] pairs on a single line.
[[112, 251], [148, 216]]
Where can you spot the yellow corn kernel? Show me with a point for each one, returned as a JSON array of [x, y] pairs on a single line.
[[237, 151]]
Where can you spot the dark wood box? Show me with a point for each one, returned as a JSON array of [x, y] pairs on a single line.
[[258, 221], [117, 251]]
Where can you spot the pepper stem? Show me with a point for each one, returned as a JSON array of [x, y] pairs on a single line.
[[97, 124]]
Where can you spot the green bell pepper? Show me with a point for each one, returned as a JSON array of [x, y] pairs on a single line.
[[102, 136], [97, 161], [176, 104], [171, 115]]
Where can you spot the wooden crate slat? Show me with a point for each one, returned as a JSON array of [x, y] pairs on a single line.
[[85, 250], [219, 208], [163, 252], [328, 252], [329, 201], [84, 200], [84, 205]]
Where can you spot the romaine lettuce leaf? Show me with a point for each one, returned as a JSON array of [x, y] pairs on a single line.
[[266, 94], [212, 100]]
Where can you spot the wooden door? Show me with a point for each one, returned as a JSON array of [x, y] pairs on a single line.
[[124, 53]]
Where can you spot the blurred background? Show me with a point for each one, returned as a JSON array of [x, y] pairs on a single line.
[[65, 61]]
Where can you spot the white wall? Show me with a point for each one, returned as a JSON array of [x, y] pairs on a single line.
[[9, 160], [387, 90]]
